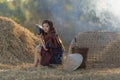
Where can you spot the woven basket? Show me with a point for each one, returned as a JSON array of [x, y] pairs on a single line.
[[83, 52], [98, 43]]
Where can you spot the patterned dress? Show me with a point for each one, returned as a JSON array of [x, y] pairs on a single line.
[[54, 53]]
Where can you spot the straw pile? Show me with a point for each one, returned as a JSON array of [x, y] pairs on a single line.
[[16, 43], [96, 42]]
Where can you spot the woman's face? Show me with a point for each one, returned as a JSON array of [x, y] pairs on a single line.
[[46, 27]]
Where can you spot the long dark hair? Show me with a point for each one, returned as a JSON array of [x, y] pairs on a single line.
[[51, 27], [52, 32]]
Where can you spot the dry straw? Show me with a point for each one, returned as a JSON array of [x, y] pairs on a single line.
[[16, 43]]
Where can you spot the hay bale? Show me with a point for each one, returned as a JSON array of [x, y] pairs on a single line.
[[16, 43], [96, 42]]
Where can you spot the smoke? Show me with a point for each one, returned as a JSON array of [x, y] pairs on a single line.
[[94, 13], [73, 16], [106, 11]]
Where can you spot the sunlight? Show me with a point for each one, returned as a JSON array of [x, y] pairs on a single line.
[[115, 7], [108, 11], [110, 6], [10, 0]]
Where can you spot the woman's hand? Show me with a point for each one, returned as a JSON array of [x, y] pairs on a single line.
[[40, 36], [45, 48]]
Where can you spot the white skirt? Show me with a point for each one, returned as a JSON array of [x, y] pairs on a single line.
[[38, 48]]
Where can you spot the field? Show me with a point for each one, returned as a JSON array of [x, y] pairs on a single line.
[[18, 46], [27, 72]]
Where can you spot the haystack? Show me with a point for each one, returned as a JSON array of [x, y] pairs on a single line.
[[16, 43], [96, 41]]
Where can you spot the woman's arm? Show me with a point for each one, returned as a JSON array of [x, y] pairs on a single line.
[[42, 42]]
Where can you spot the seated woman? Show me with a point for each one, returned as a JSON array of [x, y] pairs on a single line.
[[52, 48]]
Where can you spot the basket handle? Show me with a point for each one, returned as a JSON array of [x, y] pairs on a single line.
[[75, 40]]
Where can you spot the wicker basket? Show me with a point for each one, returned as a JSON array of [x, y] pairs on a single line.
[[83, 52], [104, 48]]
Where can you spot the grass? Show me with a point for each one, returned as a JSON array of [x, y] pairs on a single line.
[[16, 39], [26, 72]]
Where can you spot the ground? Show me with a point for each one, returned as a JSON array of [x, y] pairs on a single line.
[[26, 72]]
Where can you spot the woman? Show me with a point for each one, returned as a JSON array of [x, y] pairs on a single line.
[[52, 48]]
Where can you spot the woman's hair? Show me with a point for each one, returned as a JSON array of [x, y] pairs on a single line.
[[53, 31], [51, 27]]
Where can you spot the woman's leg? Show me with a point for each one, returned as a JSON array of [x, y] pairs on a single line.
[[37, 56], [57, 56], [36, 59]]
